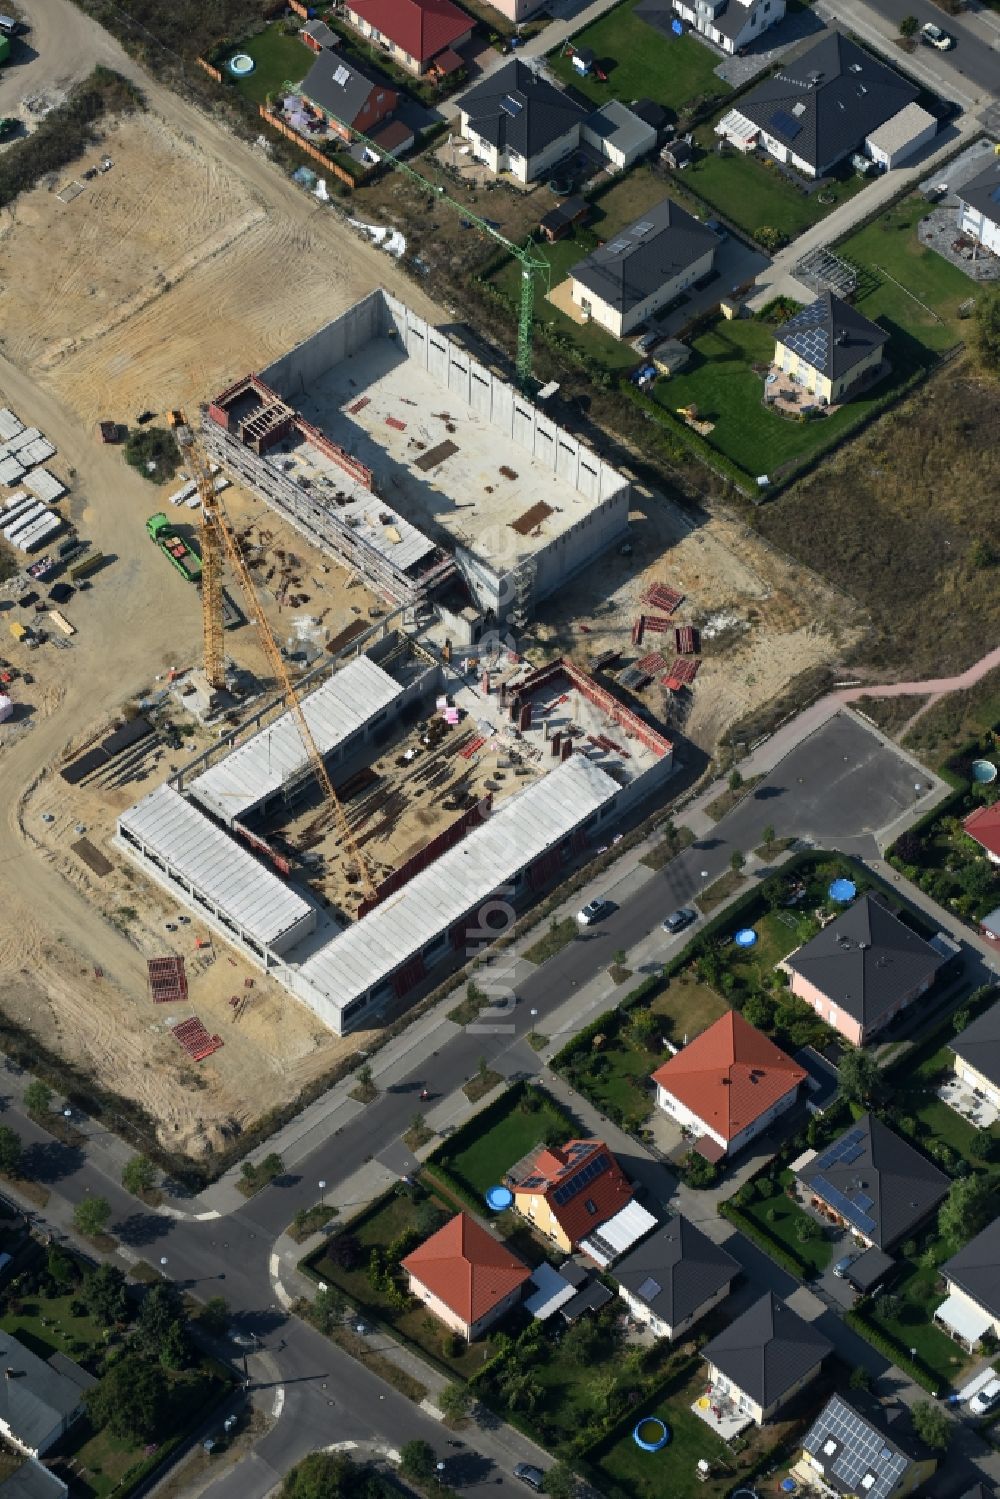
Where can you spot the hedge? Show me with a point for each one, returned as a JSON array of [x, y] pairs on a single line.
[[893, 1350]]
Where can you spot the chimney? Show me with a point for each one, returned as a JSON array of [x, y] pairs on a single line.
[[486, 684], [566, 749], [524, 720], [556, 737]]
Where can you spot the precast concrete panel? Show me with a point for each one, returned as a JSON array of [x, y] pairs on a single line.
[[481, 391], [545, 441], [502, 410], [437, 357], [567, 454]]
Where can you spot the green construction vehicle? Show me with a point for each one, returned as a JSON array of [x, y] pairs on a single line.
[[178, 551]]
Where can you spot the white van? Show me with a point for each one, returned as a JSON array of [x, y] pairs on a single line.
[[8, 26]]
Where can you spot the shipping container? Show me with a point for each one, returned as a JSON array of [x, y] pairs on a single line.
[[85, 565]]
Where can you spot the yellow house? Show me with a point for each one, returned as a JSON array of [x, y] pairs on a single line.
[[829, 348], [859, 1445], [567, 1191]]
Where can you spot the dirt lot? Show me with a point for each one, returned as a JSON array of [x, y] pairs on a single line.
[[762, 620], [905, 520]]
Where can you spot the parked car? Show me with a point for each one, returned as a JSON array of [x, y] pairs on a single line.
[[985, 1400], [678, 920], [593, 911], [935, 37], [841, 1268], [532, 1476]]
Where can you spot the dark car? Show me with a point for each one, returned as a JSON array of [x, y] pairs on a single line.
[[678, 920], [60, 592], [532, 1476]]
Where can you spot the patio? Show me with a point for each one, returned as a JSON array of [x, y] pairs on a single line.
[[968, 1103], [720, 1411], [785, 394], [939, 231]]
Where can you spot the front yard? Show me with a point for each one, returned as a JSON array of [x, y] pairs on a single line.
[[769, 1209], [906, 1311], [640, 62], [755, 194], [476, 1156]]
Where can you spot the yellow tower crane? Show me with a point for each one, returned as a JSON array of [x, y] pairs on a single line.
[[217, 539]]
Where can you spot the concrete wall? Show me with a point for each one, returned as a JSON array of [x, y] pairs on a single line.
[[293, 374], [977, 1080], [535, 1208], [525, 169]]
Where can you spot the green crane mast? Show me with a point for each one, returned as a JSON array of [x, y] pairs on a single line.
[[532, 263]]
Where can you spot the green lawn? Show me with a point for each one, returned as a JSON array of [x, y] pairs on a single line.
[[674, 1471], [779, 1216], [889, 248], [687, 1006], [61, 1332], [754, 194], [592, 340], [721, 382], [642, 63], [479, 1153], [919, 1292], [280, 59]]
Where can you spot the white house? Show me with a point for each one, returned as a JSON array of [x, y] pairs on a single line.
[[518, 122], [731, 24], [643, 268], [973, 1279], [979, 215], [671, 1279]]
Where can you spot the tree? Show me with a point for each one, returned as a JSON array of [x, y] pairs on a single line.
[[454, 1401], [908, 27], [931, 1424], [417, 1459], [983, 1144], [175, 1349], [327, 1311], [967, 1208], [887, 1306], [365, 1076], [271, 1166], [735, 780], [91, 1215], [860, 1379], [561, 1482], [736, 860], [161, 1308], [139, 1175], [153, 451], [860, 1078], [38, 1097], [131, 1399], [103, 1294], [214, 1316], [321, 1475], [769, 238], [759, 1011], [986, 333], [345, 1251], [10, 1150], [767, 836]]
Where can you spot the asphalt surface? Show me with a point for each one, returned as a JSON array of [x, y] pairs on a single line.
[[975, 56], [837, 787]]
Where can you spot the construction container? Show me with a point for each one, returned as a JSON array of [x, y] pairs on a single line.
[[86, 565], [61, 622]]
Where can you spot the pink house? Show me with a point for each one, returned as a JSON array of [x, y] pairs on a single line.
[[862, 969]]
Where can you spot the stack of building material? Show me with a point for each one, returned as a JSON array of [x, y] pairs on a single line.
[[10, 470], [45, 485], [35, 452], [10, 426], [26, 523]]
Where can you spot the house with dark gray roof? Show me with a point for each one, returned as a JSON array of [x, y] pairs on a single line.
[[25, 1478], [39, 1399], [731, 24], [345, 96], [674, 1277], [820, 107], [875, 1184], [979, 207], [972, 1308], [644, 267], [763, 1358], [519, 122], [865, 966], [857, 1445], [977, 1056]]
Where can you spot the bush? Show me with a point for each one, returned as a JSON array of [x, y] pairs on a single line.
[[154, 452]]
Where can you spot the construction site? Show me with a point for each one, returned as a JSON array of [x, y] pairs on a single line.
[[447, 792], [393, 449]]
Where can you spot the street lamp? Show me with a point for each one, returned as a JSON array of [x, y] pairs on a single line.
[[163, 1266], [322, 1191]]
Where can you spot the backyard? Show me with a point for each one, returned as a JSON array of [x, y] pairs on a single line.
[[279, 59], [906, 1312], [476, 1156], [944, 861], [754, 193], [768, 1208], [638, 61]]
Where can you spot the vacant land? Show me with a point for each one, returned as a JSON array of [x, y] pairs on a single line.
[[895, 520], [956, 719], [638, 62]]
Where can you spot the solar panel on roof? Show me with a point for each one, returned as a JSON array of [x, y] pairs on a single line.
[[847, 1148], [638, 230], [864, 1202], [341, 75], [785, 124], [853, 1153], [844, 1205], [649, 1289], [616, 246], [582, 1179], [511, 106]]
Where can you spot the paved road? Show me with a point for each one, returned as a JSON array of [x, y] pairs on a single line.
[[973, 64]]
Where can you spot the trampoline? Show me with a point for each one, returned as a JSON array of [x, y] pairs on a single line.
[[746, 937], [842, 891], [499, 1198], [241, 65], [651, 1434]]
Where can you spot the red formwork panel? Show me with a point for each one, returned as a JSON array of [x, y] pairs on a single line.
[[167, 980], [650, 665], [195, 1039], [662, 597]]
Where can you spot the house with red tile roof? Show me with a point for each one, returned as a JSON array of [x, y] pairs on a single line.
[[466, 1277], [728, 1086], [983, 826], [567, 1191], [420, 35]]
